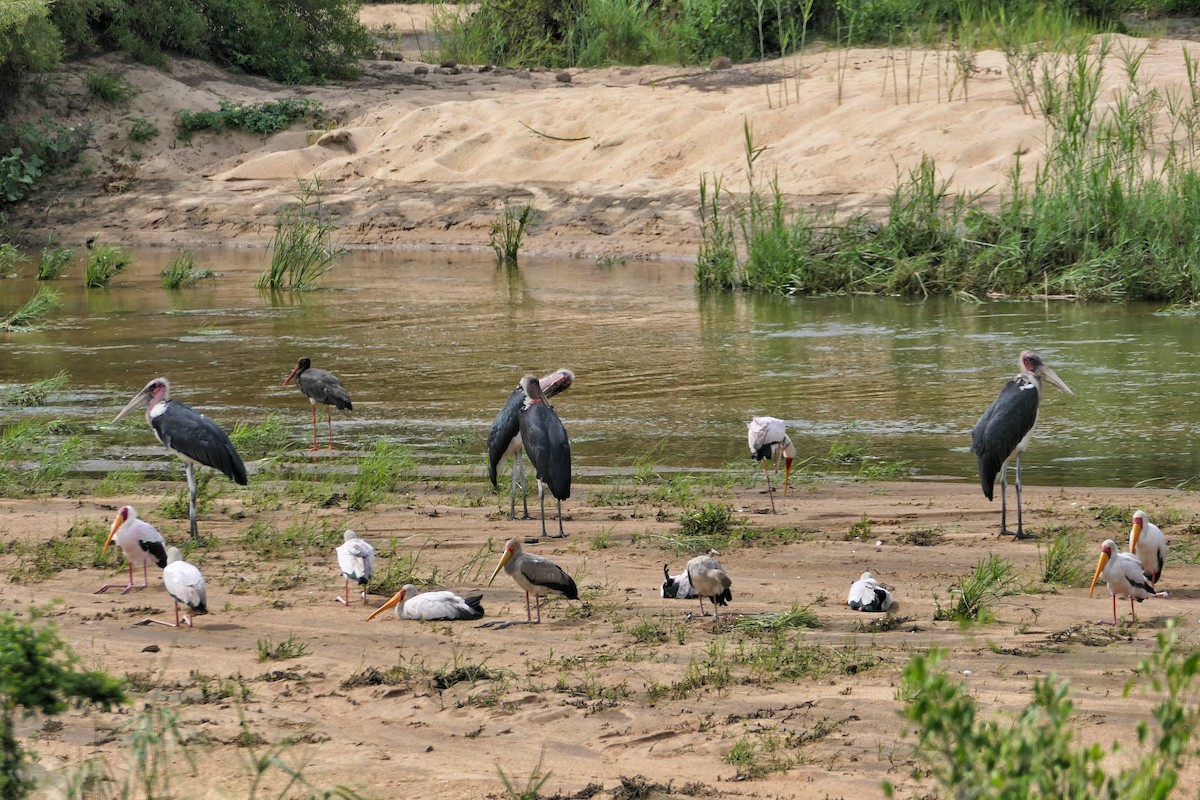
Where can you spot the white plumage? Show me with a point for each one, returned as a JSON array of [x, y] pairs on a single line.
[[1123, 574], [1147, 542], [768, 439], [868, 594], [356, 559], [677, 586], [410, 604], [140, 541], [185, 584]]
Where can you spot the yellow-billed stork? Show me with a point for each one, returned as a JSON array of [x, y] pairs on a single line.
[[536, 575], [1123, 574], [140, 541], [411, 604], [356, 559], [769, 440], [709, 579], [185, 584], [1147, 542], [868, 594]]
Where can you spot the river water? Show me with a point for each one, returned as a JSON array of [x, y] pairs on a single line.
[[429, 345]]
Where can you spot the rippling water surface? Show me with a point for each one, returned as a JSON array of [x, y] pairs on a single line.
[[429, 346]]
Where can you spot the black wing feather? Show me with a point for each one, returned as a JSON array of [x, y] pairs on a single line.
[[1001, 428], [505, 428], [324, 387], [546, 444], [158, 549], [189, 432], [475, 602]]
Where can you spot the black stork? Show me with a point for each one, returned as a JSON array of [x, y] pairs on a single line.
[[190, 435], [504, 439], [545, 441], [1004, 430], [320, 386]]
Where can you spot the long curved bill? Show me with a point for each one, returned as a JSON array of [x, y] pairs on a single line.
[[1099, 569], [1049, 374], [397, 598], [504, 559], [116, 526], [1135, 534], [138, 400]]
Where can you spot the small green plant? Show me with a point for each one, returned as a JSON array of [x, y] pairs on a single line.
[[80, 547], [103, 264], [10, 256], [182, 271], [109, 87], [36, 393], [302, 249], [263, 118], [533, 784], [508, 231], [974, 595], [760, 755], [288, 648], [797, 617], [648, 632], [29, 316], [860, 529], [142, 130], [378, 473], [269, 437], [40, 674], [54, 262], [1062, 561]]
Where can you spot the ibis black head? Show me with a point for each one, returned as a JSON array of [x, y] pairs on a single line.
[[670, 587]]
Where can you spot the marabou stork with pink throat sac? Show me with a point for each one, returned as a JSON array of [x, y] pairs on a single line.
[[504, 439], [320, 386], [193, 437], [1004, 431]]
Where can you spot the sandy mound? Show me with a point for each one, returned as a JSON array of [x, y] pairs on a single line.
[[418, 155]]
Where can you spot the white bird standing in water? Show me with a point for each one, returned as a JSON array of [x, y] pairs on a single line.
[[709, 579], [1123, 574], [868, 594], [769, 440], [410, 604], [357, 561], [186, 585], [140, 541], [536, 575], [1147, 542]]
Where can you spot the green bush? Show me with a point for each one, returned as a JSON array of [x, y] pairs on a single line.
[[265, 118], [109, 87], [104, 262], [142, 130]]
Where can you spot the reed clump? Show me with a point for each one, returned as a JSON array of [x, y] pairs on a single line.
[[302, 249], [30, 314]]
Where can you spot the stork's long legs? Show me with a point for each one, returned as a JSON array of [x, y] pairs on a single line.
[[518, 464], [770, 491], [329, 422], [542, 499], [313, 403], [191, 479], [1004, 531]]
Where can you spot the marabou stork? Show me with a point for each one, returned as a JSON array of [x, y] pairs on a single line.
[[504, 439], [535, 575], [868, 594], [320, 386], [545, 441], [769, 440], [190, 435], [1147, 542], [710, 580], [1125, 577], [140, 541], [356, 559], [411, 604], [185, 584], [1004, 430]]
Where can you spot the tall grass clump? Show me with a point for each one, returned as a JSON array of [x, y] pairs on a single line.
[[302, 249], [183, 272], [54, 262], [1035, 752], [103, 264], [378, 473], [1063, 560], [508, 231], [974, 595], [109, 87], [31, 313], [36, 393]]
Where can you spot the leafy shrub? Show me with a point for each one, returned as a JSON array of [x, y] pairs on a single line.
[[265, 118], [142, 130], [39, 150]]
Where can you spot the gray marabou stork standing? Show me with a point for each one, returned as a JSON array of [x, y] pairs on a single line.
[[190, 435], [504, 439], [545, 441], [320, 386], [1004, 431]]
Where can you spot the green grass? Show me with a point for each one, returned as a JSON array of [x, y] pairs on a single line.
[[378, 474], [36, 393], [305, 537], [289, 648], [508, 231], [268, 437], [31, 314], [262, 118], [37, 456], [182, 272], [302, 249], [110, 88], [974, 596], [54, 262], [103, 264], [796, 617], [10, 256], [1063, 560], [142, 130], [80, 547]]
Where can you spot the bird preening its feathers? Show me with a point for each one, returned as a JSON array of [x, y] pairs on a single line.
[[709, 579], [868, 594], [676, 586]]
